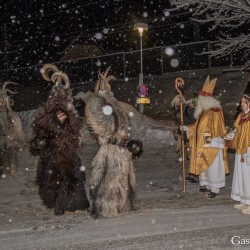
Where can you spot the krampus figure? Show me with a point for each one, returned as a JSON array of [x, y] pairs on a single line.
[[60, 176], [11, 134], [112, 183]]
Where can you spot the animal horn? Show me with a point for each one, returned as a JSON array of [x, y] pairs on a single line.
[[106, 72], [110, 78], [58, 76], [47, 69], [5, 90], [103, 81], [100, 74], [97, 86]]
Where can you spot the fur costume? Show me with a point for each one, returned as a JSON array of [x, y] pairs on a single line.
[[11, 134], [59, 175], [112, 182]]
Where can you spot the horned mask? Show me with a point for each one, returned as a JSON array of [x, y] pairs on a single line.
[[5, 101], [102, 83]]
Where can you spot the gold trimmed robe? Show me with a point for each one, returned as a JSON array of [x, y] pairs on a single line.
[[241, 140], [211, 122]]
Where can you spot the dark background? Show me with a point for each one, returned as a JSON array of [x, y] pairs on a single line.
[[34, 32]]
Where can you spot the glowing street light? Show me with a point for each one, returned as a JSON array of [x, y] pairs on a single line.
[[141, 27]]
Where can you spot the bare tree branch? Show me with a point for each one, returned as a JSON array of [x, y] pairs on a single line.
[[226, 14]]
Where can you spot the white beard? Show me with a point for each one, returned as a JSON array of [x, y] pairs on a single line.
[[198, 109], [204, 103]]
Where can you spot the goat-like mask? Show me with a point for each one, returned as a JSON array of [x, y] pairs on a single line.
[[102, 83], [5, 101]]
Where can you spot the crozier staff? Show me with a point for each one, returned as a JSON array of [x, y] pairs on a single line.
[[179, 82]]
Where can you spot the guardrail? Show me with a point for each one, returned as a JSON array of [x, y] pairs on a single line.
[[125, 65]]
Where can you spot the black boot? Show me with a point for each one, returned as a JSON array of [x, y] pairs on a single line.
[[211, 195], [192, 178], [203, 189]]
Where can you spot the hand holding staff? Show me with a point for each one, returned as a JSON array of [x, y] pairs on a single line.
[[179, 82]]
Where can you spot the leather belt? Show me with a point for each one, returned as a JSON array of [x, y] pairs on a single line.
[[122, 142]]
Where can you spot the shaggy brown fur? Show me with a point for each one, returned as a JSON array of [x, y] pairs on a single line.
[[60, 179], [112, 182], [11, 134]]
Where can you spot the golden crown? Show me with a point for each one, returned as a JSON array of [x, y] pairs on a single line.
[[208, 87]]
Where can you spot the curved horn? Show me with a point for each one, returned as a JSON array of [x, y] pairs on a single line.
[[106, 72], [97, 86], [58, 76], [103, 81], [4, 90], [100, 74], [12, 92], [110, 78], [46, 69]]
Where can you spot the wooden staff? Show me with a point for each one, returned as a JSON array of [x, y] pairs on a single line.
[[179, 82]]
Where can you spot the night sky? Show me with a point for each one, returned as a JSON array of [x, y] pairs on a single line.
[[36, 31]]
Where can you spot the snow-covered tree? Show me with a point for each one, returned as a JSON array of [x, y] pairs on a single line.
[[231, 17]]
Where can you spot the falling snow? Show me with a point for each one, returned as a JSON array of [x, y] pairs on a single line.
[[107, 110], [82, 168], [81, 39], [169, 51]]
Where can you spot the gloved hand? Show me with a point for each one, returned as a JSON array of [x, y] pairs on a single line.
[[183, 128], [230, 136], [217, 142]]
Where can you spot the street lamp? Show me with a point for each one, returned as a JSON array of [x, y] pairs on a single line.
[[141, 27]]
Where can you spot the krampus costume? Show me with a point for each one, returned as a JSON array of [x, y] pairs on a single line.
[[11, 134], [59, 174], [112, 182]]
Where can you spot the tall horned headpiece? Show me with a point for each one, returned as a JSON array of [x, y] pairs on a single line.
[[208, 87], [51, 73], [103, 81]]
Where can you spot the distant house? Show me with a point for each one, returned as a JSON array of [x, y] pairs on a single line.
[[77, 50]]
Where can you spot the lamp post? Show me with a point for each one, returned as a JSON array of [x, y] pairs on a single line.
[[141, 27]]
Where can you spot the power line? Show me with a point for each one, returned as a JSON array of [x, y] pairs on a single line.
[[99, 28], [52, 14], [124, 30], [65, 61]]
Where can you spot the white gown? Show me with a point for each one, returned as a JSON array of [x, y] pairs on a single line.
[[214, 178], [241, 180]]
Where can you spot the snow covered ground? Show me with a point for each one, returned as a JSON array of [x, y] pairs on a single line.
[[168, 218]]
